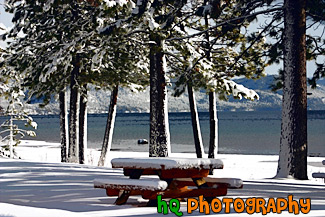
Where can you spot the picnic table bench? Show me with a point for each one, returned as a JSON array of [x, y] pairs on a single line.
[[319, 175], [178, 178]]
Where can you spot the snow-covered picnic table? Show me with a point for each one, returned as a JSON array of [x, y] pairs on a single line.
[[177, 178]]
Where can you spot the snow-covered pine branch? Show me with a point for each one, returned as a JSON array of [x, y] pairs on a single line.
[[12, 92], [227, 22]]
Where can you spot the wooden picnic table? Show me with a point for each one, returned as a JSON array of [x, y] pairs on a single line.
[[178, 178]]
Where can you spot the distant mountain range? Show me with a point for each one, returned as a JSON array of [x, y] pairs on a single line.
[[139, 102]]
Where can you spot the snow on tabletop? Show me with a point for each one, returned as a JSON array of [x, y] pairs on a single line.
[[131, 184], [167, 163]]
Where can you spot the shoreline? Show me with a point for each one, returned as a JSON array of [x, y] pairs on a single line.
[[31, 143], [233, 163]]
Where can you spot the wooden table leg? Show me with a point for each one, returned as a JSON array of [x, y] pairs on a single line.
[[152, 203], [136, 174], [123, 198], [201, 183]]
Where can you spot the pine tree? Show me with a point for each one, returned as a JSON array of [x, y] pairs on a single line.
[[12, 91], [293, 143], [153, 21], [70, 51], [108, 136], [46, 37], [64, 126], [289, 42], [199, 149], [130, 71], [165, 25], [123, 64], [214, 55]]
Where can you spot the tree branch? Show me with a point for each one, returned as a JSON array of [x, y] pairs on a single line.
[[173, 55], [226, 22], [253, 42]]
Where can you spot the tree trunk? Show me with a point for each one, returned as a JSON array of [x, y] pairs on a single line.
[[74, 115], [64, 126], [159, 126], [11, 137], [293, 142], [213, 145], [108, 137], [83, 127], [195, 123]]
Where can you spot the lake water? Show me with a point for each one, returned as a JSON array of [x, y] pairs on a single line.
[[239, 132]]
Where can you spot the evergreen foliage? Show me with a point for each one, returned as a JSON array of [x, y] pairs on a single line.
[[273, 29], [118, 43], [12, 91], [58, 43]]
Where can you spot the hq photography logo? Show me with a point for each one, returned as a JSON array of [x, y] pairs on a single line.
[[248, 205]]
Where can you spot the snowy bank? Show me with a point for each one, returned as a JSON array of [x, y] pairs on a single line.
[[39, 185]]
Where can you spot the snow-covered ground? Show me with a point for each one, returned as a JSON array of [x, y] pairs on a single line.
[[39, 185]]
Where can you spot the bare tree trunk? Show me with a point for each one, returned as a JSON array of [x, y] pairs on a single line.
[[83, 127], [293, 142], [74, 115], [11, 137], [108, 137], [195, 122], [213, 145], [64, 126], [159, 126]]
